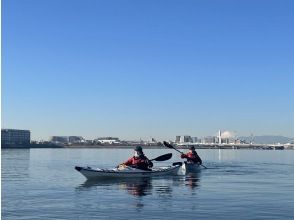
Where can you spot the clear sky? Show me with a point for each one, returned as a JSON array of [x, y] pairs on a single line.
[[136, 69]]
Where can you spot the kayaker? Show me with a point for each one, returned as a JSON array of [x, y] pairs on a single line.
[[192, 156], [139, 160]]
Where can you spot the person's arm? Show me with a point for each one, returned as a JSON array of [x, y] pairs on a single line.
[[184, 156], [129, 162], [199, 159], [148, 162]]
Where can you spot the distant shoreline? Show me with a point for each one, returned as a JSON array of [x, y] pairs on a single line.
[[197, 146]]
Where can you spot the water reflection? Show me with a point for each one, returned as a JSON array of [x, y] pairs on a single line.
[[134, 186], [15, 164], [139, 187], [164, 191], [191, 180]]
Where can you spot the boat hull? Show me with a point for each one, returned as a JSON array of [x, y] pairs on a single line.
[[91, 173], [190, 168]]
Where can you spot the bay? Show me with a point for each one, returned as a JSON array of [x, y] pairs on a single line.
[[243, 184]]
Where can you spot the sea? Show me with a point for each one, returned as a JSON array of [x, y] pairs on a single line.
[[238, 184]]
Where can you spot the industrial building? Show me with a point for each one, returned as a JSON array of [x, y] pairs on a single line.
[[15, 137]]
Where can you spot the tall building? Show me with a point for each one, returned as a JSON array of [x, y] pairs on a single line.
[[15, 137], [194, 139], [184, 139], [209, 140], [187, 139], [219, 137]]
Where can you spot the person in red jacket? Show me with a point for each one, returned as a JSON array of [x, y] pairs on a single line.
[[139, 160], [192, 156]]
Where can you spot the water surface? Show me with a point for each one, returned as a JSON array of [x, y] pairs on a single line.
[[243, 184]]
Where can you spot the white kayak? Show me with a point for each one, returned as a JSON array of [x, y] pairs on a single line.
[[127, 172]]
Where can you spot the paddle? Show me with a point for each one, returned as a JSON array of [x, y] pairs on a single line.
[[168, 145], [171, 146], [163, 157], [177, 163]]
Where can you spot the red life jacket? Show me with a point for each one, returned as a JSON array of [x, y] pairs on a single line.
[[192, 157], [141, 162]]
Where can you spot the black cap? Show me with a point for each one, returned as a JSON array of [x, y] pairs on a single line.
[[138, 148]]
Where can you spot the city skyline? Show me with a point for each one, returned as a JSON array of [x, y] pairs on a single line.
[[224, 134], [147, 69]]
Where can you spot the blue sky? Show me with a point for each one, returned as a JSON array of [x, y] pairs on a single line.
[[136, 69]]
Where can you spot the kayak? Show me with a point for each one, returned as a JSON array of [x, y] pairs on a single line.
[[127, 172], [190, 168]]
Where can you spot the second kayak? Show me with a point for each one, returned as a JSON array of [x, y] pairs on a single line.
[[187, 168], [191, 168]]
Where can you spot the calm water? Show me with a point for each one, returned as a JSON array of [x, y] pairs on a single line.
[[243, 184]]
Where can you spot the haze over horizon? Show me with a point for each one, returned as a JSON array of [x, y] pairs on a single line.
[[139, 69]]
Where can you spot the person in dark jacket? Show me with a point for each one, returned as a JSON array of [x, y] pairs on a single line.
[[139, 160], [192, 156]]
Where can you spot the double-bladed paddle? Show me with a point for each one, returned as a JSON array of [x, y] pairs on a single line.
[[168, 145], [163, 157]]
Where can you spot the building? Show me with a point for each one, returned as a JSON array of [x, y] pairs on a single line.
[[184, 139], [59, 139], [15, 137], [209, 140], [76, 139], [219, 137], [67, 139], [107, 140], [194, 139]]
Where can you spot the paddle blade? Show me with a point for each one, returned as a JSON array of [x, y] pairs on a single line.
[[177, 164], [168, 145], [163, 157]]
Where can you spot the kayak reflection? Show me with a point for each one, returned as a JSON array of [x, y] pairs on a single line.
[[136, 187], [139, 187], [191, 180]]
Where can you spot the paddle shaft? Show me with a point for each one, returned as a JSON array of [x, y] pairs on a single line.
[[178, 150], [171, 146], [203, 166]]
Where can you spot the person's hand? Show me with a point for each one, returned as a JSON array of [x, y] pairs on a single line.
[[121, 166], [150, 164]]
